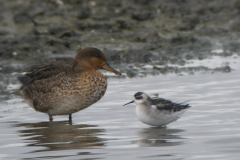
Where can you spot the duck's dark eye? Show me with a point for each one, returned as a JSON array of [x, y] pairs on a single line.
[[97, 56], [139, 97]]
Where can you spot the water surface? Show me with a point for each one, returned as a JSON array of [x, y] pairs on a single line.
[[108, 130]]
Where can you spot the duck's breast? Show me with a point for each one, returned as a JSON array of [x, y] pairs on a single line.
[[86, 90], [92, 86]]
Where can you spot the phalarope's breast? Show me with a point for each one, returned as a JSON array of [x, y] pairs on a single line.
[[157, 111]]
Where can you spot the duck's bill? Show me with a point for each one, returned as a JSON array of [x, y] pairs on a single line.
[[107, 67], [128, 103]]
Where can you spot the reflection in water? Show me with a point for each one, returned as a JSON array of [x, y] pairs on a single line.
[[61, 135], [161, 137]]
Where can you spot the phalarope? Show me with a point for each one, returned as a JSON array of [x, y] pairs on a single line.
[[66, 86], [157, 111]]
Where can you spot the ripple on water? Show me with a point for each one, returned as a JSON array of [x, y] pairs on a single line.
[[108, 130]]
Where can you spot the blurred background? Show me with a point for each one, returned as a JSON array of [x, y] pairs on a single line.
[[132, 32]]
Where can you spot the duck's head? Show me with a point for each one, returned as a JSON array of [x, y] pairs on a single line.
[[139, 98], [92, 58]]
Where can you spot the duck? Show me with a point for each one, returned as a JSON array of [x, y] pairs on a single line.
[[157, 111], [65, 86]]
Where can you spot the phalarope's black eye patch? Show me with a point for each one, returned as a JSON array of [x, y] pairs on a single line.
[[138, 94], [139, 97]]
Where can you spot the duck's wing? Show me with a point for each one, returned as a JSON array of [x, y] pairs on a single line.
[[162, 104], [48, 70]]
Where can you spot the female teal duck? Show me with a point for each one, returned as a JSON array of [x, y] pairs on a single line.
[[66, 86]]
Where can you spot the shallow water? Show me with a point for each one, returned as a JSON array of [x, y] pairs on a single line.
[[108, 130]]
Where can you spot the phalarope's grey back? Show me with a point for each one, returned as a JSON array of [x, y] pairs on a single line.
[[157, 111]]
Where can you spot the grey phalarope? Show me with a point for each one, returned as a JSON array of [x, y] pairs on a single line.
[[157, 111]]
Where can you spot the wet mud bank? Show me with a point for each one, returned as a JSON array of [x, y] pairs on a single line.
[[131, 33]]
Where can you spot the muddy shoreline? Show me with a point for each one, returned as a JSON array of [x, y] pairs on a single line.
[[131, 33]]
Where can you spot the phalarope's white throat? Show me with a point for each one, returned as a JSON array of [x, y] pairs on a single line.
[[157, 111]]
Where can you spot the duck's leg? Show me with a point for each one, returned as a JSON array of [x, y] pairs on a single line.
[[50, 118], [70, 118]]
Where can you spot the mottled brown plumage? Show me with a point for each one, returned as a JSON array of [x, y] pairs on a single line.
[[66, 86]]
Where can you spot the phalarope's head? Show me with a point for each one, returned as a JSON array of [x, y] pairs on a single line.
[[139, 98]]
